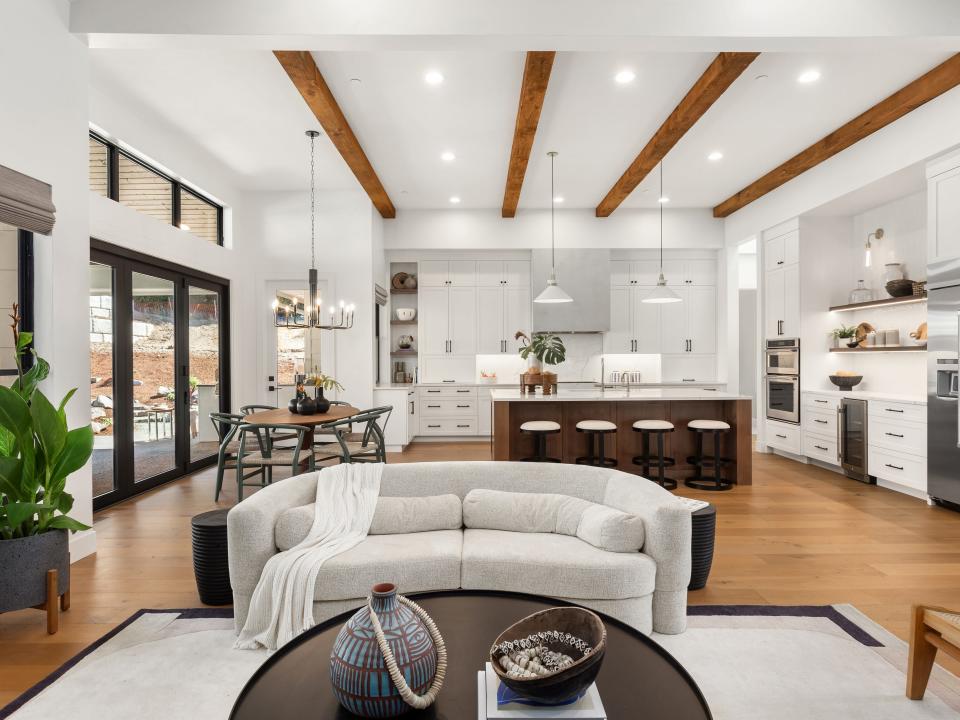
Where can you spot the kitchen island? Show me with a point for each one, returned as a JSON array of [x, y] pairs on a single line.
[[624, 407]]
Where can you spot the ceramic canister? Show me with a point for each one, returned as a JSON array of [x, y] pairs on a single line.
[[357, 670]]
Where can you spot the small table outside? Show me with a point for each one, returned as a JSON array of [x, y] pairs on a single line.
[[638, 677], [282, 416]]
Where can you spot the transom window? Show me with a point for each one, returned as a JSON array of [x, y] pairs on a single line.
[[118, 175]]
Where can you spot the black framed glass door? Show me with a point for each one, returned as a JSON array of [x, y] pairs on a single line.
[[159, 363]]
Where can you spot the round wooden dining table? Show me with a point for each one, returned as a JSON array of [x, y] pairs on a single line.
[[282, 416]]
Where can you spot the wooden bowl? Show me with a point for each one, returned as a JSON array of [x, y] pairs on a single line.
[[900, 288], [575, 678], [846, 382]]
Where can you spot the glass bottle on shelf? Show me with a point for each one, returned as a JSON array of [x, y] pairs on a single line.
[[860, 294]]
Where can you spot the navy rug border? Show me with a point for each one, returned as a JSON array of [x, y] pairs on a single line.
[[184, 613], [814, 611]]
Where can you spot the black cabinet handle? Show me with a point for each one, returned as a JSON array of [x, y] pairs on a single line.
[[463, 406], [433, 426], [779, 262], [463, 426], [822, 422], [895, 467], [893, 410], [463, 391], [433, 406], [821, 447], [448, 381], [434, 391], [894, 434], [780, 436], [821, 401]]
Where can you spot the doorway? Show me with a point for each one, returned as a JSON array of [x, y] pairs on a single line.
[[159, 365]]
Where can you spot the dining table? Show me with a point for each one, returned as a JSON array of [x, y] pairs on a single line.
[[282, 416]]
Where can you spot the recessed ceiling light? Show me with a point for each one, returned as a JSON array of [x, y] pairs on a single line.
[[455, 199], [558, 199], [715, 155], [625, 76], [808, 76], [663, 199], [433, 77], [447, 156]]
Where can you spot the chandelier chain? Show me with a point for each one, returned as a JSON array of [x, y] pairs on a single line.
[[313, 204]]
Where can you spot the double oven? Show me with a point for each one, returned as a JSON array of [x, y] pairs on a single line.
[[782, 376]]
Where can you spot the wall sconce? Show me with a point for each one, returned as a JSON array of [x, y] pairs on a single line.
[[876, 234]]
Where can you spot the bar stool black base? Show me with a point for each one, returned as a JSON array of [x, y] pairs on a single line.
[[708, 483], [595, 458], [540, 439], [716, 463], [659, 461]]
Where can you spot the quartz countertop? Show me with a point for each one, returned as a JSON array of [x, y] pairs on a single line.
[[637, 395], [868, 395]]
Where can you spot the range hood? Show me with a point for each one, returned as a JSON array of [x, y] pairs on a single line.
[[585, 276]]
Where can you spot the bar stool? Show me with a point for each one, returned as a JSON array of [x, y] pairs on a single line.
[[658, 428], [540, 429], [699, 461], [596, 429]]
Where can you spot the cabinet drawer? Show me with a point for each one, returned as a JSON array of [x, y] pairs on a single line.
[[898, 468], [820, 422], [448, 426], [904, 437], [447, 391], [897, 411], [784, 436], [822, 448], [822, 403], [439, 407]]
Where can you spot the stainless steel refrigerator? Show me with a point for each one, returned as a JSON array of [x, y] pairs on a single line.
[[943, 364]]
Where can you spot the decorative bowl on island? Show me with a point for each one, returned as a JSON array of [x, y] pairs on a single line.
[[572, 631], [846, 382]]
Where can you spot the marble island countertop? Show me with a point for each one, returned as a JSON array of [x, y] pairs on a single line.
[[867, 395], [619, 395]]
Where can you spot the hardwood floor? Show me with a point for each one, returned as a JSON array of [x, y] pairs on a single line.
[[799, 535]]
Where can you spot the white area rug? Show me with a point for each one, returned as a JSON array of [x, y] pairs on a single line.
[[762, 663]]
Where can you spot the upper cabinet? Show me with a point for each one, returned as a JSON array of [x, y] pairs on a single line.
[[943, 209], [688, 327], [646, 273], [507, 273], [781, 281], [447, 273], [782, 250]]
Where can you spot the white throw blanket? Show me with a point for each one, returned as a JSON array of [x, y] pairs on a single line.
[[282, 604]]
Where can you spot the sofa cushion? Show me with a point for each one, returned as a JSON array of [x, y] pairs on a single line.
[[392, 515], [604, 527], [553, 565], [414, 562]]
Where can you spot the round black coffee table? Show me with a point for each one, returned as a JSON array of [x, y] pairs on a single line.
[[638, 677]]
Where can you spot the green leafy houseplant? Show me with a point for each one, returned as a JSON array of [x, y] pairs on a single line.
[[548, 349], [37, 451], [325, 382], [845, 332]]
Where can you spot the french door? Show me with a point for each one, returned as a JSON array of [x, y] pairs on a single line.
[[159, 365]]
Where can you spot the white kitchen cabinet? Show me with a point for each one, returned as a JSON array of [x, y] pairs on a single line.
[[943, 214], [791, 301], [510, 273], [484, 420], [434, 320], [463, 318], [647, 321], [782, 302], [690, 326], [447, 273], [628, 273], [689, 272], [402, 425], [448, 409], [501, 312], [447, 368], [782, 250], [673, 324], [413, 415], [784, 436], [686, 368], [634, 324], [517, 273], [516, 315]]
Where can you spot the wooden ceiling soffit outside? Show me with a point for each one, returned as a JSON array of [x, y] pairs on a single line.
[[306, 77], [925, 88], [714, 81], [536, 75]]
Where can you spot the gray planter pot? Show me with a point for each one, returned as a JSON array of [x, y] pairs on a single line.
[[23, 568]]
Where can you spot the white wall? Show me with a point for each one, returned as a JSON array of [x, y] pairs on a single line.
[[485, 229], [904, 223], [43, 120]]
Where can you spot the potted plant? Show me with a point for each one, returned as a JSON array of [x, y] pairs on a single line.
[[37, 454], [542, 349], [320, 383], [843, 333]]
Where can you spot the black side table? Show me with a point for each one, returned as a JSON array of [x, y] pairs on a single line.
[[210, 557], [704, 532]]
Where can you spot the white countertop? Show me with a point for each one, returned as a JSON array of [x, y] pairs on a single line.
[[868, 395], [638, 395]]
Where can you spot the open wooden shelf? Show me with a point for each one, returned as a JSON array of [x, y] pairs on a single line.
[[403, 291], [403, 322], [404, 353], [895, 348], [909, 300]]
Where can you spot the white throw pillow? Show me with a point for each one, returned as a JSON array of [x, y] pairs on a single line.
[[600, 525]]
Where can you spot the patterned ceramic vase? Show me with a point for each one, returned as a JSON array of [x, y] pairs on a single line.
[[359, 676]]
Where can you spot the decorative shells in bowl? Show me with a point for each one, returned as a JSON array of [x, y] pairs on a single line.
[[551, 656], [406, 314]]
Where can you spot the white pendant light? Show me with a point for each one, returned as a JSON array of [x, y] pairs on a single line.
[[661, 293], [552, 293]]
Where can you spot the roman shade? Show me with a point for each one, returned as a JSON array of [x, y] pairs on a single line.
[[25, 202]]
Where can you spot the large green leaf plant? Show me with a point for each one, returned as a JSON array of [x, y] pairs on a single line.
[[37, 451]]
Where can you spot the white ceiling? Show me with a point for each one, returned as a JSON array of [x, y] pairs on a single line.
[[245, 111]]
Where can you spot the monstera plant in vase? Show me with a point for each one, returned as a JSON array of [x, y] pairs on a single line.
[[37, 454], [542, 349], [320, 383]]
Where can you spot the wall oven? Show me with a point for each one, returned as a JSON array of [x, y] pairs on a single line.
[[782, 373]]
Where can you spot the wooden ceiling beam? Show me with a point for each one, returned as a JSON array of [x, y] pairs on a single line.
[[942, 78], [306, 77], [533, 89], [714, 81]]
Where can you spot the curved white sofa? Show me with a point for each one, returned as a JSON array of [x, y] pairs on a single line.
[[646, 589]]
